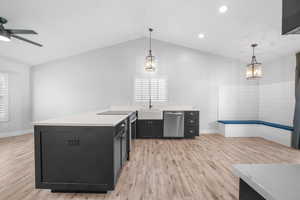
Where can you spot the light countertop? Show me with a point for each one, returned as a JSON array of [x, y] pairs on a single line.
[[272, 181], [155, 107], [156, 112], [85, 119], [92, 119]]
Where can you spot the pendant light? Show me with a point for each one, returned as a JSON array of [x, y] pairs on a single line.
[[254, 69], [150, 64]]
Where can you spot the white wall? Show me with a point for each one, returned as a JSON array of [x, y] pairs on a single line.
[[19, 98], [103, 77], [239, 102], [277, 91]]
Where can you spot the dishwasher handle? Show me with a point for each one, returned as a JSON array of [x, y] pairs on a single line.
[[174, 113]]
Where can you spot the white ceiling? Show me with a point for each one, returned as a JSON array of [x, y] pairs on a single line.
[[69, 27]]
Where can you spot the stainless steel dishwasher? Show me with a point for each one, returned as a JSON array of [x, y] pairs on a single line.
[[173, 124]]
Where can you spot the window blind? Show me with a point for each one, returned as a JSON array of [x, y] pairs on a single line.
[[3, 97], [156, 87]]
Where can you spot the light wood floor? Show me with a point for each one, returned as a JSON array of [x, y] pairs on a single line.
[[197, 169]]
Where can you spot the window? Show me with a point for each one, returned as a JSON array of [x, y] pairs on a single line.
[[3, 97], [154, 87]]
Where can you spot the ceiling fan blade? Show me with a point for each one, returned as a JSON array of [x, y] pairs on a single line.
[[21, 31], [26, 40]]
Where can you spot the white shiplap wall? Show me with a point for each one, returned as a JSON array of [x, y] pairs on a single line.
[[277, 102], [277, 91], [238, 102]]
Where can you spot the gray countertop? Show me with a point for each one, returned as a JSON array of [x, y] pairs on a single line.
[[272, 181]]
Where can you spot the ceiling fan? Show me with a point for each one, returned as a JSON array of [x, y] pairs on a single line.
[[7, 34]]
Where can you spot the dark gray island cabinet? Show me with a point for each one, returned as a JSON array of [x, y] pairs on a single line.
[[268, 181], [75, 156]]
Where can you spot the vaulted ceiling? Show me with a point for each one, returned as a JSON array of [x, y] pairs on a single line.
[[70, 27]]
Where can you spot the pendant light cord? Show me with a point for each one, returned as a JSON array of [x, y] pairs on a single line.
[[150, 42], [150, 54], [254, 61], [253, 56]]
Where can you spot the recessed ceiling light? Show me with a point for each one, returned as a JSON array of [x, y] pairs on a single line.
[[223, 9], [201, 35]]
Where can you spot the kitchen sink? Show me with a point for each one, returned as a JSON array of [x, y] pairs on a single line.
[[150, 114]]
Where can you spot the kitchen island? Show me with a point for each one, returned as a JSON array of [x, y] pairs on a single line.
[[80, 153], [86, 152], [268, 181]]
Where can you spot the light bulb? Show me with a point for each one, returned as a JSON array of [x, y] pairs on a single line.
[[201, 36], [223, 9], [150, 64]]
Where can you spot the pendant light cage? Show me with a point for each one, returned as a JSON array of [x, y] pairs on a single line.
[[150, 63], [254, 69]]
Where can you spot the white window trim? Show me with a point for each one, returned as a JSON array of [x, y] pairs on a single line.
[[4, 97]]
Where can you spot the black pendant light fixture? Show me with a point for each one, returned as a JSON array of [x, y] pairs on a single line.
[[150, 64], [254, 69]]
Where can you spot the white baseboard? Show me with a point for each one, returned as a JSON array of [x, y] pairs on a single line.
[[15, 133], [257, 130], [208, 131]]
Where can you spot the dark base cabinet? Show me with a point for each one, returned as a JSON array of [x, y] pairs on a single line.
[[248, 193], [149, 129], [191, 124], [82, 159], [154, 128]]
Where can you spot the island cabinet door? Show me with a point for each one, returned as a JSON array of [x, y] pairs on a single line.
[[117, 156], [124, 152], [76, 155]]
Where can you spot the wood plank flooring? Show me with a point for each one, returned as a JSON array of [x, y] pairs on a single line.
[[197, 169]]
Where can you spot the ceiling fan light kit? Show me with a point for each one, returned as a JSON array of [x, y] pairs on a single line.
[[7, 34], [4, 36]]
